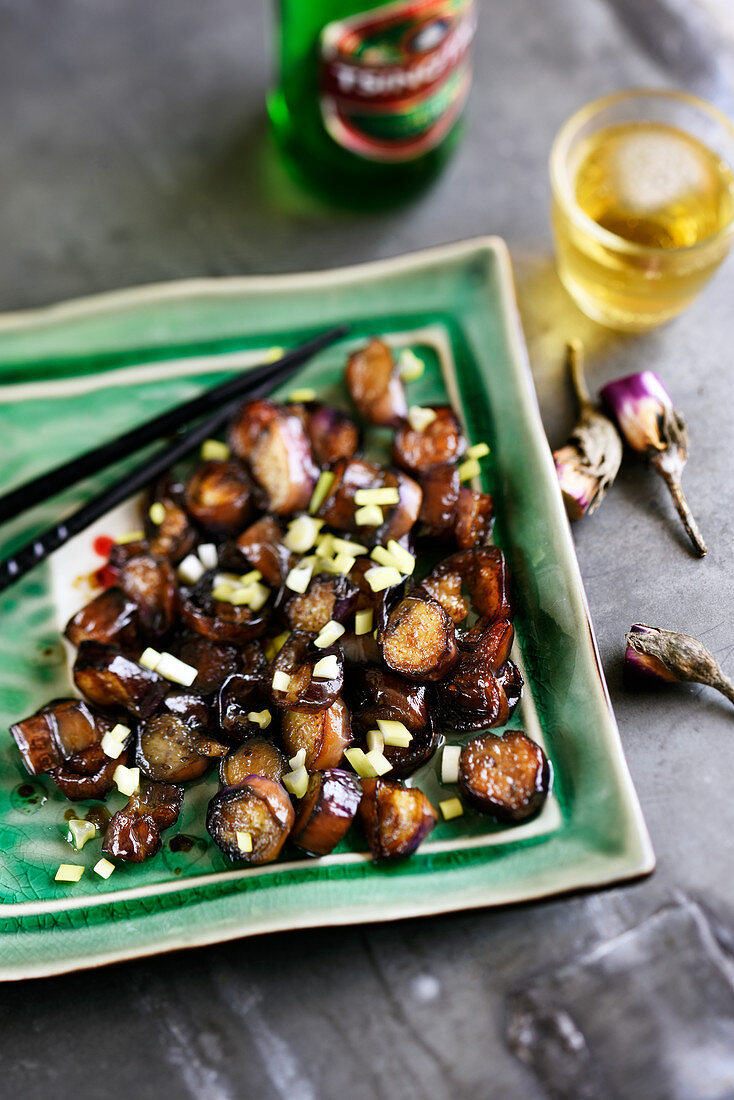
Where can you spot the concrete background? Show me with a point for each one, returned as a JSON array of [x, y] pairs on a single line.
[[133, 149]]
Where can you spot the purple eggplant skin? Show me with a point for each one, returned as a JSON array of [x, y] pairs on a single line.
[[88, 775], [374, 692], [218, 496], [282, 465], [339, 508], [359, 649], [440, 443], [216, 620], [375, 385], [508, 777], [441, 489], [247, 424], [111, 617], [151, 583], [473, 697], [297, 659], [255, 756], [134, 833], [258, 806], [326, 811], [324, 734], [168, 751], [57, 732], [213, 661], [332, 433], [396, 819], [328, 597], [174, 537], [401, 517], [239, 696], [110, 679], [484, 571], [474, 519], [261, 547], [419, 640]]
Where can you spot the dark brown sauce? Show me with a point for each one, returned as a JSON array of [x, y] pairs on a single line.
[[26, 790], [70, 814], [99, 816], [181, 843]]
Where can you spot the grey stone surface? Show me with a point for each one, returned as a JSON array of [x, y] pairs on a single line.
[[133, 150]]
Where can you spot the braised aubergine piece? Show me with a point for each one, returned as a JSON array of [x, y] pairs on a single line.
[[297, 659], [339, 507], [508, 777], [88, 775], [441, 490], [395, 818], [400, 518], [239, 696], [474, 519], [258, 806], [374, 692], [170, 751], [57, 732], [326, 811], [419, 640], [216, 619], [282, 464], [375, 385], [473, 697], [484, 572], [151, 583], [213, 661], [438, 444], [246, 425], [255, 756], [218, 496], [134, 833], [328, 596], [324, 734], [261, 545], [112, 616], [332, 434], [191, 708], [107, 677], [174, 537]]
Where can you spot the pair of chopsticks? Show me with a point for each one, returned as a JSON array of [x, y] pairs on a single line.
[[224, 399]]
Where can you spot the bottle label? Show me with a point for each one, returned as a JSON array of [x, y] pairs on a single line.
[[394, 79]]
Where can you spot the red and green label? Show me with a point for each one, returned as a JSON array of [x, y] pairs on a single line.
[[394, 79]]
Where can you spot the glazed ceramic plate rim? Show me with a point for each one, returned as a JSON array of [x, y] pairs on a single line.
[[637, 858]]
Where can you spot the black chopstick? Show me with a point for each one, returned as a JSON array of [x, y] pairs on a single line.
[[39, 548], [48, 484]]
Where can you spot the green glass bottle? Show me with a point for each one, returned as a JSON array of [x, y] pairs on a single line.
[[369, 96]]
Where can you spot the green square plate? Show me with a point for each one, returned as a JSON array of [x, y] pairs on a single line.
[[75, 374]]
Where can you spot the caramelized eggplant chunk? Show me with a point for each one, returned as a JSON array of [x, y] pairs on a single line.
[[213, 661], [419, 640], [441, 490], [304, 691], [324, 734], [107, 677], [57, 732], [89, 774], [282, 465], [374, 692], [239, 697], [508, 777], [174, 537], [395, 819], [438, 444], [339, 508], [252, 662], [261, 545], [134, 833], [359, 649], [121, 552], [255, 756], [257, 806], [510, 680], [218, 497], [168, 750], [110, 617], [473, 697], [474, 519], [327, 597], [326, 811], [333, 434], [247, 424], [216, 619], [151, 583], [399, 519], [446, 589], [375, 385], [485, 573], [191, 708]]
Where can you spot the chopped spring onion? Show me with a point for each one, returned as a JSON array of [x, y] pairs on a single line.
[[363, 621], [305, 394], [130, 536], [175, 670], [114, 740], [368, 516], [410, 367], [358, 760], [321, 491], [420, 418], [127, 780], [479, 450], [298, 761], [383, 556], [103, 867], [149, 659], [375, 740], [244, 841], [191, 569], [342, 563], [344, 546], [377, 760], [403, 558], [80, 832], [387, 495], [69, 872], [261, 718], [157, 513], [469, 469], [214, 451], [281, 681], [251, 577], [302, 533], [450, 764], [327, 668], [296, 783], [328, 635], [274, 646], [325, 545], [223, 592], [451, 807], [208, 555], [382, 577], [299, 577]]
